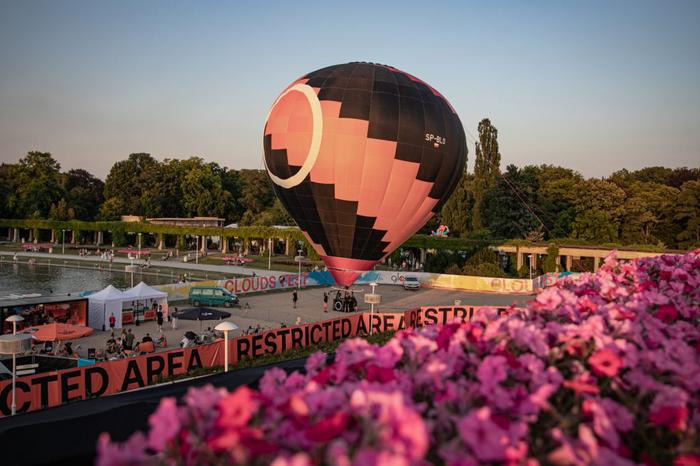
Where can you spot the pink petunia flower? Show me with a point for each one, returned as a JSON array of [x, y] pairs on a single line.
[[667, 313], [605, 362], [672, 417], [484, 437], [687, 460], [164, 423]]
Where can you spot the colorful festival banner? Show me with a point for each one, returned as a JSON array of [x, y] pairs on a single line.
[[251, 284], [431, 315], [106, 378], [55, 388]]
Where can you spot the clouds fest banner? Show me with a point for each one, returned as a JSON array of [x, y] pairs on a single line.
[[280, 281], [106, 378]]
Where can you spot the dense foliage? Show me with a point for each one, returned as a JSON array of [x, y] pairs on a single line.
[[140, 185], [654, 205], [651, 206], [603, 370]]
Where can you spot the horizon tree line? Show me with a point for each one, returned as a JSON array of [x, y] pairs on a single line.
[[653, 205]]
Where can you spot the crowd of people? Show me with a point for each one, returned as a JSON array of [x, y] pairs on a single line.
[[126, 345], [64, 349]]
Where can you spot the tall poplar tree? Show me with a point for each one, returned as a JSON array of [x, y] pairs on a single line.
[[486, 167]]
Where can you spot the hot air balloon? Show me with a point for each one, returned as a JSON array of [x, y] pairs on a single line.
[[362, 155]]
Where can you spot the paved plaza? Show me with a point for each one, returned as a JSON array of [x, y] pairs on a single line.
[[272, 309]]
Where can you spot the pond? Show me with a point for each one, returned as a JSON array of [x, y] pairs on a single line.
[[26, 278]]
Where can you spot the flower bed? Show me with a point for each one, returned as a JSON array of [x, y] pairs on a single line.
[[603, 370]]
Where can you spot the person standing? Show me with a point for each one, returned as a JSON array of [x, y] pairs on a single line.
[[325, 302], [128, 341], [173, 318], [295, 297], [159, 318], [112, 322]]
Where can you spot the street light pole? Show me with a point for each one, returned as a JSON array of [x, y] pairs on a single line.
[[63, 244], [269, 258], [196, 249], [372, 299], [14, 319], [371, 312], [226, 327], [299, 276]]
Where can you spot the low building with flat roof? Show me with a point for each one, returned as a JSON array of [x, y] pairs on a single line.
[[39, 310]]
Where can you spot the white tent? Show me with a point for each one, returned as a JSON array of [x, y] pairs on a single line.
[[102, 304], [143, 291], [147, 295]]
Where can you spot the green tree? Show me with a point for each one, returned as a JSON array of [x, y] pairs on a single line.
[[683, 174], [688, 214], [486, 167], [163, 196], [232, 182], [483, 263], [60, 211], [555, 199], [508, 207], [112, 209], [457, 211], [8, 191], [83, 193], [599, 208], [256, 194], [275, 215], [127, 180], [647, 205], [202, 194], [37, 184], [549, 264]]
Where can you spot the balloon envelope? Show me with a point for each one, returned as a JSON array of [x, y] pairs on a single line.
[[362, 156]]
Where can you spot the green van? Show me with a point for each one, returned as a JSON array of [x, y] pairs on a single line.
[[212, 296]]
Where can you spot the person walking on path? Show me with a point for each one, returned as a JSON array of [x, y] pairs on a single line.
[[325, 302], [295, 298], [159, 318], [173, 318]]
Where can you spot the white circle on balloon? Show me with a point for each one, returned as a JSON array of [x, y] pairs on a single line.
[[316, 135]]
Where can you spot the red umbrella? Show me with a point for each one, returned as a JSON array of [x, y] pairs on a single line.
[[135, 252], [238, 259], [58, 332]]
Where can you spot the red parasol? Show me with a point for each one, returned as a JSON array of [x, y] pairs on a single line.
[[135, 252], [58, 332]]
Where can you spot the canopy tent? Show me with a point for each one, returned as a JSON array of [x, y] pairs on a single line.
[[103, 304], [148, 295], [143, 291]]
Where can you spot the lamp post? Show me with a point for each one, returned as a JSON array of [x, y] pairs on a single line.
[[226, 327], [269, 257], [139, 245], [196, 249], [63, 243], [300, 257], [372, 299], [14, 319], [15, 344]]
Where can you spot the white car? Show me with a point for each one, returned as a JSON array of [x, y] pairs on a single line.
[[411, 283]]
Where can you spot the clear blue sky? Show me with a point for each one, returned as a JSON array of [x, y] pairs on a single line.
[[596, 86]]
